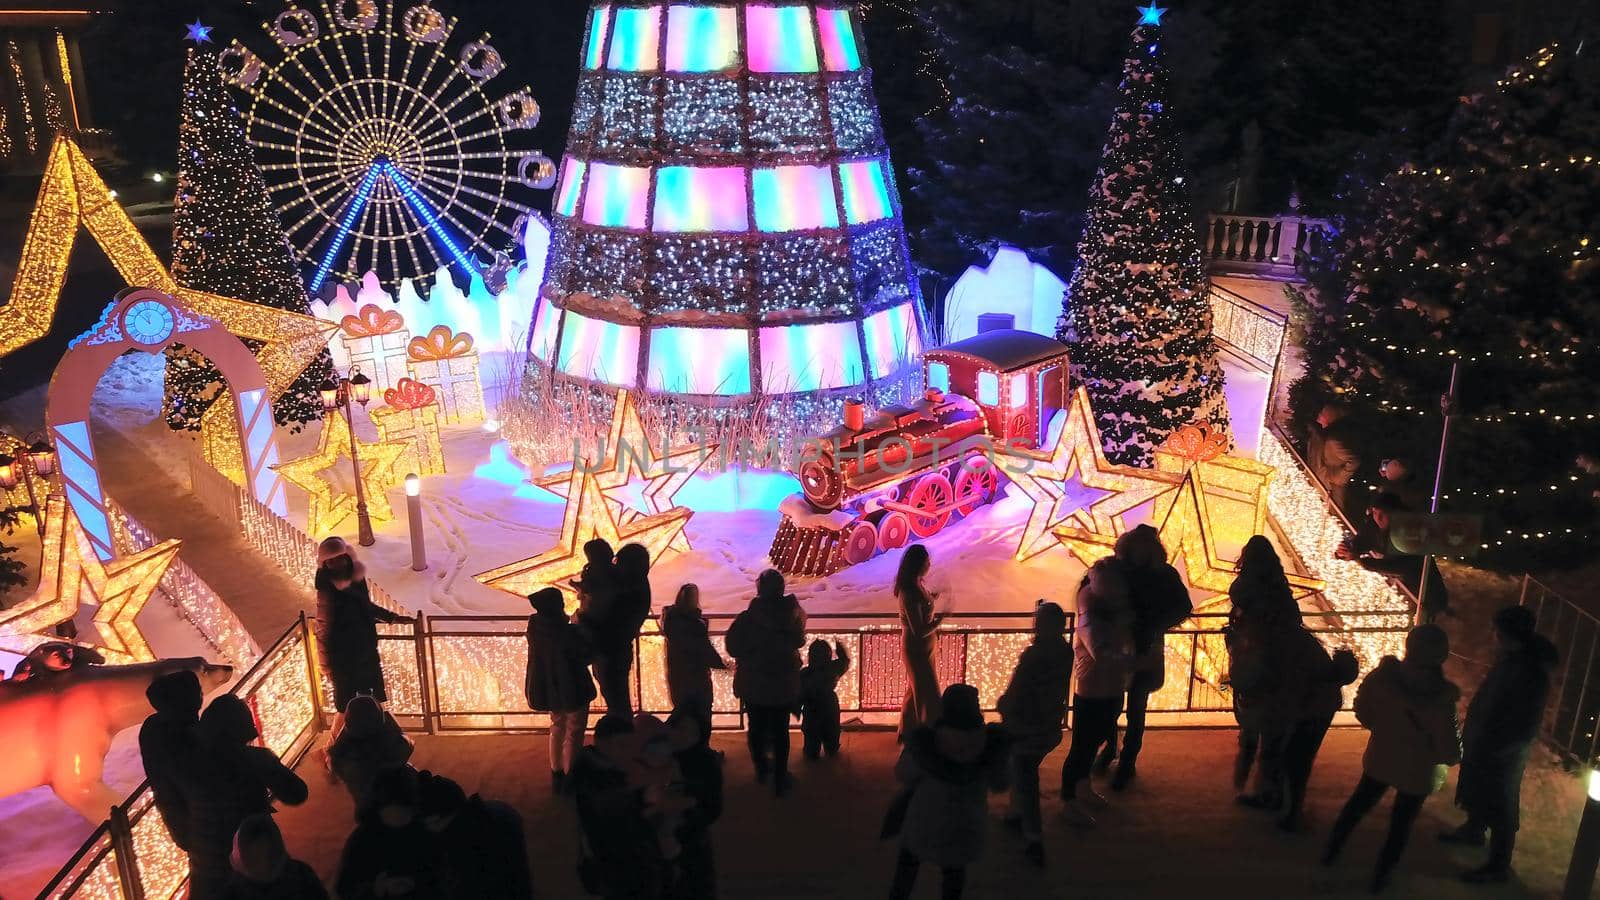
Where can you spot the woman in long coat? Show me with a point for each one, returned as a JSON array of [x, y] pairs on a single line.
[[347, 627], [558, 680], [919, 633]]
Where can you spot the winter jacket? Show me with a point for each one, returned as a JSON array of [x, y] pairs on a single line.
[[766, 639], [1261, 623], [819, 692], [1311, 688], [1333, 458], [1502, 723], [375, 851], [483, 855], [1034, 705], [616, 834], [223, 786], [1160, 603], [690, 655], [347, 634], [950, 773], [558, 656], [296, 881], [167, 744], [360, 755], [701, 768], [1102, 646], [1411, 714]]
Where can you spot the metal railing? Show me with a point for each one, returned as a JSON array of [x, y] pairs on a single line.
[[1573, 712], [130, 856]]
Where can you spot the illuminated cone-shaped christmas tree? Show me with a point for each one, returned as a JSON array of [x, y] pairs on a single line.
[[726, 220], [1138, 318]]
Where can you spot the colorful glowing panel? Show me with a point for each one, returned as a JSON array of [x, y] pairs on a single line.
[[616, 195], [778, 39], [810, 357], [700, 199], [795, 198], [636, 40], [838, 39], [699, 360], [702, 38], [595, 51], [939, 377], [866, 191], [892, 341], [599, 351], [988, 389], [571, 185], [546, 320]]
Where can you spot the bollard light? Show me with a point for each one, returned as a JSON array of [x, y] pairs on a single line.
[[419, 553], [414, 489], [1586, 848]]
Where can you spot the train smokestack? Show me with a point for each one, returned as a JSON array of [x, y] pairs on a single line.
[[855, 414]]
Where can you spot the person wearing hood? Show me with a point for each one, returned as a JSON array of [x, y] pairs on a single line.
[[167, 743], [228, 781], [558, 680], [1410, 709], [480, 846], [819, 698], [1501, 725], [370, 744], [1102, 664], [1160, 602], [621, 856], [347, 628], [919, 637], [1033, 709], [1263, 610], [765, 642], [690, 654], [263, 869], [390, 855], [948, 770]]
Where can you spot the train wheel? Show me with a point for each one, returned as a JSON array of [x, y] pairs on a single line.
[[975, 485], [932, 493], [821, 483], [893, 530], [861, 544]]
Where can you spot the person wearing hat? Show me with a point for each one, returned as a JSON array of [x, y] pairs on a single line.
[[1033, 708], [263, 869], [370, 744], [1410, 709], [558, 680], [948, 770], [347, 628], [1502, 723]]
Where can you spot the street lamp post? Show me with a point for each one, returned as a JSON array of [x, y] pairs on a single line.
[[357, 387], [35, 459]]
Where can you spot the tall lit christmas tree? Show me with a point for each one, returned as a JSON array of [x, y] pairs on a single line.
[[726, 221], [226, 239], [1137, 318]]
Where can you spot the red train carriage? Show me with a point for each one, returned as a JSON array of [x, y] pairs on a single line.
[[881, 479]]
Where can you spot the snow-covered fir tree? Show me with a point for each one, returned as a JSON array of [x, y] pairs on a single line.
[[1137, 317]]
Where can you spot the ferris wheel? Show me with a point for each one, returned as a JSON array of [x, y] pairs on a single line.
[[382, 143]]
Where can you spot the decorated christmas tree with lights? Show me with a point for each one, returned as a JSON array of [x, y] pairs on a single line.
[[726, 220], [1482, 253], [1138, 319], [226, 240]]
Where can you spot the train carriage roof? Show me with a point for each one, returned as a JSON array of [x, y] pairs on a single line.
[[1005, 349]]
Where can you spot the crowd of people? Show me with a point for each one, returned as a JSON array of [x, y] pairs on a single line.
[[646, 792]]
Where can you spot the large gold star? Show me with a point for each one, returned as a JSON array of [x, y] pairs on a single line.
[[1074, 483], [330, 505], [588, 515], [629, 455], [71, 574]]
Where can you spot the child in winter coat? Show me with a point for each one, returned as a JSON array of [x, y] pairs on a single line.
[[263, 870], [690, 654], [1410, 709], [949, 770], [370, 744], [1033, 708], [558, 680], [819, 697], [1102, 665]]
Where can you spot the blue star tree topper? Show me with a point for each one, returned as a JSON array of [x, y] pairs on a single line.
[[198, 32], [1151, 15]]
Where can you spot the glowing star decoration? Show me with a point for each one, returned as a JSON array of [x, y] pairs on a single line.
[[1075, 483], [330, 504], [71, 575], [630, 455], [199, 33], [588, 515], [1151, 15]]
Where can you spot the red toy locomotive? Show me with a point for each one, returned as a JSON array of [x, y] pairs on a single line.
[[877, 481]]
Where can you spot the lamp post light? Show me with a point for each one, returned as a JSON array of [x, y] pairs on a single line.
[[35, 459], [354, 387], [1586, 848], [419, 553]]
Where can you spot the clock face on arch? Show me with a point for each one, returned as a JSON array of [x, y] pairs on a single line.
[[147, 322]]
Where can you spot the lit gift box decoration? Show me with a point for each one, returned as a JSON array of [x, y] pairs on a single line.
[[376, 340], [447, 363], [412, 415]]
